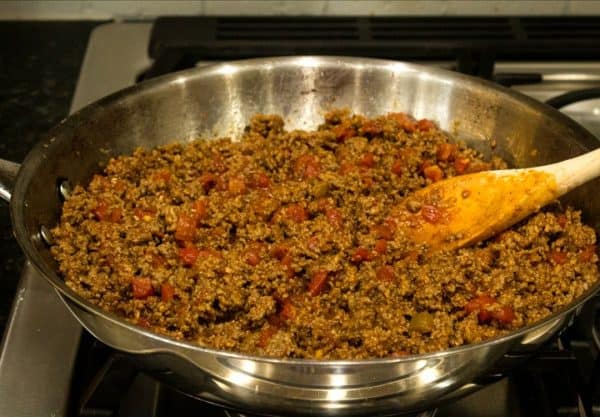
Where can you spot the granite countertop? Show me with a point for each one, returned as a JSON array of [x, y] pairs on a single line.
[[39, 66]]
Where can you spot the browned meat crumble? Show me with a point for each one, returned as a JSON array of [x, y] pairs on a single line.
[[282, 244]]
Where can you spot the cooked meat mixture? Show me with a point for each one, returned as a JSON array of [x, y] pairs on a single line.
[[282, 244]]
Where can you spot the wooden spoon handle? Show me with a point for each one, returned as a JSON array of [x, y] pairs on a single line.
[[575, 171]]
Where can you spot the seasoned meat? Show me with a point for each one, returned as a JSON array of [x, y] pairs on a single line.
[[281, 243]]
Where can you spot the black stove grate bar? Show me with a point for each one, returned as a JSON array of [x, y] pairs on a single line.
[[473, 43]]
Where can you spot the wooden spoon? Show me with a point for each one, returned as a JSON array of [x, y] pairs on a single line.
[[467, 209]]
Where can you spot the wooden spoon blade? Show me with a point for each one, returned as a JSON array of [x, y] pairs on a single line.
[[467, 209]]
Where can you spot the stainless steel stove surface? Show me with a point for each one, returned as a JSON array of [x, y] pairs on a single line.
[[47, 368]]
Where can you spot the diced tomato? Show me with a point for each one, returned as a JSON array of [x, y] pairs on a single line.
[[367, 160], [461, 165], [286, 261], [116, 214], [397, 167], [381, 246], [208, 181], [342, 133], [558, 257], [385, 273], [383, 231], [484, 316], [334, 216], [105, 214], [425, 164], [479, 302], [288, 312], [167, 291], [587, 253], [361, 255], [406, 122], [185, 230], [162, 175], [446, 152], [260, 180], [199, 209], [433, 173], [346, 168], [562, 220], [158, 261], [279, 251], [141, 287], [296, 213], [504, 315], [188, 255], [425, 125], [252, 258], [307, 166], [236, 185], [431, 214], [371, 128], [266, 334], [317, 283]]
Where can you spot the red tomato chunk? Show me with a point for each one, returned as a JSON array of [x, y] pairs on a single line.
[[446, 152], [558, 257], [397, 167], [104, 213], [381, 246], [296, 213], [189, 255], [167, 292], [208, 181], [361, 255], [343, 132], [185, 229], [385, 273], [425, 125], [307, 166], [431, 214], [504, 315], [367, 160], [317, 283], [141, 287], [433, 173], [461, 165]]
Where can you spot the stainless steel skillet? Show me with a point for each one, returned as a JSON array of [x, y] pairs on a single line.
[[218, 100]]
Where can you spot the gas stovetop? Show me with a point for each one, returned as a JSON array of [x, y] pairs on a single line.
[[50, 366]]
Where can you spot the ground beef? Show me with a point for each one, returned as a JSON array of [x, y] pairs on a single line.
[[282, 244]]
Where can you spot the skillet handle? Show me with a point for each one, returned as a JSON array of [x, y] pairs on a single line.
[[8, 175]]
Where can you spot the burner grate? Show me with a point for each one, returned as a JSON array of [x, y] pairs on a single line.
[[472, 43]]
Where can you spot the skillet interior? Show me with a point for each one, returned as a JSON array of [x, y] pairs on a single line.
[[217, 101]]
